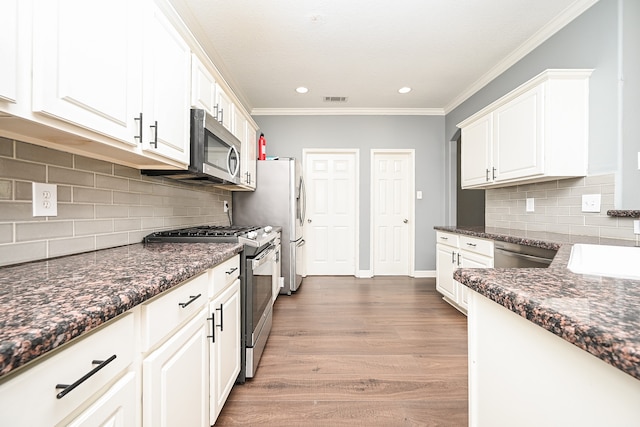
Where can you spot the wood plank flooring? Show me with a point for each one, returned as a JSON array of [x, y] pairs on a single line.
[[351, 352]]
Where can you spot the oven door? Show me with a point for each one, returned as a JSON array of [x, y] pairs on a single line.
[[261, 270], [259, 304]]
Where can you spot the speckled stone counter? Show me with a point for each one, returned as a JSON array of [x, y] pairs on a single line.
[[48, 303], [600, 315]]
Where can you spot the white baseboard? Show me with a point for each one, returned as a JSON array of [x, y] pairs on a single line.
[[424, 273], [364, 274]]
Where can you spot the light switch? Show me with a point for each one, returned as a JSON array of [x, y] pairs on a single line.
[[530, 204], [45, 199], [419, 195], [591, 202]]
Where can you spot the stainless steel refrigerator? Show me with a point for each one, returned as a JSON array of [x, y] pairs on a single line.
[[279, 199]]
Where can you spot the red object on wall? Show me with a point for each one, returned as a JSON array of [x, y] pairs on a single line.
[[262, 148]]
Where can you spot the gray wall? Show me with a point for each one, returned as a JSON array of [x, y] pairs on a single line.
[[288, 135], [631, 104], [590, 41]]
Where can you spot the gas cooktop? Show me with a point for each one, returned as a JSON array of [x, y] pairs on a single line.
[[246, 234]]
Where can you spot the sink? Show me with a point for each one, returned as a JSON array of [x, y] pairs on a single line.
[[604, 260]]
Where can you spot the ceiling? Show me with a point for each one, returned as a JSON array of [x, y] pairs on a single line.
[[365, 50]]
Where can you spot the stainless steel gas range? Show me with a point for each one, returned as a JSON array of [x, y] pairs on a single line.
[[258, 270]]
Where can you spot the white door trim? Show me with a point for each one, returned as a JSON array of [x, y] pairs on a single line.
[[356, 154], [411, 192]]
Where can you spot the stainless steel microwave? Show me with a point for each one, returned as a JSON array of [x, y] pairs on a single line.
[[214, 153]]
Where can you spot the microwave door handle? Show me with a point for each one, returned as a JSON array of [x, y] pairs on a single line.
[[235, 171]]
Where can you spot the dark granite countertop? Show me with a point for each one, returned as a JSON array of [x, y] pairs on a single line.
[[600, 315], [48, 303]]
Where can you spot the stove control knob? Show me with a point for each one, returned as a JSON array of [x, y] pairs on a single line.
[[252, 235], [268, 229]]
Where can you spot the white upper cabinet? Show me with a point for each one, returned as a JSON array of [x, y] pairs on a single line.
[[87, 67], [9, 50], [167, 89], [203, 87], [529, 134], [117, 68], [225, 109]]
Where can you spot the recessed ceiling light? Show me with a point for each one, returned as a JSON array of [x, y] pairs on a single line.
[[302, 89], [404, 89]]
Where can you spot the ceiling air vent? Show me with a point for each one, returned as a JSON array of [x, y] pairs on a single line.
[[335, 99]]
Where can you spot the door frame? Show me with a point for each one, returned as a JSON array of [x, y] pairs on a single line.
[[412, 227], [355, 152]]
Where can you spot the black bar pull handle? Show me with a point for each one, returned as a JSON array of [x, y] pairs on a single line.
[[232, 270], [213, 328], [66, 388], [155, 136], [221, 317], [139, 137], [193, 298]]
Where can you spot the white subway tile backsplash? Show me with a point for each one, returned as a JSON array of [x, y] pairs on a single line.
[[100, 204], [26, 171], [71, 177], [60, 247], [14, 253], [558, 209], [45, 230], [6, 233], [6, 189]]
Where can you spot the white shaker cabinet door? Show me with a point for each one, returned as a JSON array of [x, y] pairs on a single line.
[[9, 51], [175, 385], [445, 265], [517, 137], [225, 350], [118, 406], [87, 65], [167, 88], [476, 168]]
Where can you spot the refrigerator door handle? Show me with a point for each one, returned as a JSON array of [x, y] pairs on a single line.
[[303, 200]]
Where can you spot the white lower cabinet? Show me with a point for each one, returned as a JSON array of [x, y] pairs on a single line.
[[224, 360], [172, 361], [453, 252], [175, 385], [116, 408], [80, 374]]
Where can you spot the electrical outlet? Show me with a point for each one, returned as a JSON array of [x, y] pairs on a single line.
[[419, 195], [225, 206], [591, 202], [530, 205], [45, 199], [636, 226]]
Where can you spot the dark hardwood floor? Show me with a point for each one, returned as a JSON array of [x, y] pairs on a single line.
[[343, 351]]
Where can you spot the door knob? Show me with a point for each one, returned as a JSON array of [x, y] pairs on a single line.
[[405, 221], [309, 220]]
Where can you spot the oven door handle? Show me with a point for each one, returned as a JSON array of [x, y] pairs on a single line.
[[264, 257]]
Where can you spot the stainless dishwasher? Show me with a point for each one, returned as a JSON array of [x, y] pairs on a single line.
[[512, 255]]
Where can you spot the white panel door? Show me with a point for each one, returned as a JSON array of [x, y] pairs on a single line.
[[391, 214], [330, 230]]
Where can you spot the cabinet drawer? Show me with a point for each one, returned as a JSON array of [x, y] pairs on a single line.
[[170, 310], [447, 239], [224, 274], [37, 384], [479, 246]]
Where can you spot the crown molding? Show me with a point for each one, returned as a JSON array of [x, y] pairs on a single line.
[[555, 25], [347, 112]]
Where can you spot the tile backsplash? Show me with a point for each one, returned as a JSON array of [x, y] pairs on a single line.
[[100, 204], [558, 209]]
